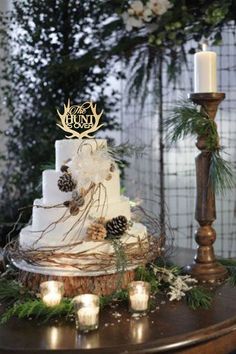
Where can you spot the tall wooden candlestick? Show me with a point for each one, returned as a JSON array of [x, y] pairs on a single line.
[[205, 267]]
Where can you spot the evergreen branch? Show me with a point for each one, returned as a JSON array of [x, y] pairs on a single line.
[[147, 274], [227, 262], [198, 297], [119, 295], [126, 149], [221, 175], [187, 120], [11, 291], [232, 276], [37, 309]]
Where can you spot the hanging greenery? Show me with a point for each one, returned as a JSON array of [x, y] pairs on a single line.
[[150, 33], [185, 120]]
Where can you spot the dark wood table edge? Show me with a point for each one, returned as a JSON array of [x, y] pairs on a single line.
[[175, 343]]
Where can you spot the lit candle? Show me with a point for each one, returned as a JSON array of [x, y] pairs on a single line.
[[139, 293], [88, 316], [86, 312], [52, 299], [139, 302], [205, 78], [51, 292]]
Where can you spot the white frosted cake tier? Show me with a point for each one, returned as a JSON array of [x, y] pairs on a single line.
[[110, 193], [67, 148], [55, 224], [28, 241]]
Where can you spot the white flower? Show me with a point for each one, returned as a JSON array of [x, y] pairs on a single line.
[[179, 287], [87, 168], [159, 7], [147, 15], [137, 7], [131, 21]]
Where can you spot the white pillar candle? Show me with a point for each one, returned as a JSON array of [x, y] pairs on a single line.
[[205, 78]]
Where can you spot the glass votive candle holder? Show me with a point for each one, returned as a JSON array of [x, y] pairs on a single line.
[[139, 294], [86, 312], [51, 292]]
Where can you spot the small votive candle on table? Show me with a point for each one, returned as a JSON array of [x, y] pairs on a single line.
[[51, 292], [86, 312], [139, 294]]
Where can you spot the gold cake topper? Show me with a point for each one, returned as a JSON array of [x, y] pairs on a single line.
[[84, 118]]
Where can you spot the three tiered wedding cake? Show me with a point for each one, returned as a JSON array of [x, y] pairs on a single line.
[[82, 213]]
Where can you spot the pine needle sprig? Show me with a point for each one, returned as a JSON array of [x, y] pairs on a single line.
[[11, 291], [147, 274], [232, 276], [187, 120], [221, 174], [37, 309], [230, 262], [198, 297]]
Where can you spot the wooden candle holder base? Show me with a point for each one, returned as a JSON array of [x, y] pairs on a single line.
[[205, 267]]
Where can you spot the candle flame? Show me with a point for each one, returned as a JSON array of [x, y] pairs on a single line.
[[204, 47]]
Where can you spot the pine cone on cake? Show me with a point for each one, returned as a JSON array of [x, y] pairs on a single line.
[[96, 232], [64, 168], [65, 183], [117, 226]]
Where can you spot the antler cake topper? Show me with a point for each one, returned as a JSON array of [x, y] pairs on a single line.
[[84, 117]]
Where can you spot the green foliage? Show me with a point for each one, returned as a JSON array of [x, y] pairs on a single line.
[[121, 260], [11, 291], [199, 297], [232, 276], [187, 120], [230, 264], [36, 309], [163, 40], [119, 295], [58, 54], [147, 274], [221, 173]]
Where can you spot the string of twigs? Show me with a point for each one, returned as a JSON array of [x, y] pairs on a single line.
[[136, 252]]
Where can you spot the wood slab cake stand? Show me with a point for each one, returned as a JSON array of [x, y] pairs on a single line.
[[104, 284], [205, 267]]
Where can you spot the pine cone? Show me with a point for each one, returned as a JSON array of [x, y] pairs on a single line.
[[117, 226], [64, 168], [66, 183], [96, 232]]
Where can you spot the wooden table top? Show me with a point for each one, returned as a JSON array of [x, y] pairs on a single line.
[[170, 327]]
